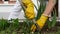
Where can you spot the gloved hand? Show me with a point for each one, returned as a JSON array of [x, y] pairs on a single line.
[[29, 10], [40, 22]]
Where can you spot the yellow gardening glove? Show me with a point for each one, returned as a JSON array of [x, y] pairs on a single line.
[[29, 11], [40, 22], [26, 2], [33, 28]]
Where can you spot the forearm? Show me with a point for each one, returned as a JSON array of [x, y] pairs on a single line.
[[49, 7], [47, 11]]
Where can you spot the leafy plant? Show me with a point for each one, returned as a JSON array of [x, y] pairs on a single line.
[[41, 9], [3, 24], [52, 23]]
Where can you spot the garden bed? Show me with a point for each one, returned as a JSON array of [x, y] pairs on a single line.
[[14, 27]]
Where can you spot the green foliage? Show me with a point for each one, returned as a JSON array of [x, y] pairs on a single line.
[[3, 24], [52, 23], [15, 24], [7, 26], [14, 33], [58, 32], [2, 32], [27, 25], [41, 9]]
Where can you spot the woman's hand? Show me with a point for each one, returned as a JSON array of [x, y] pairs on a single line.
[[42, 20], [29, 10]]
